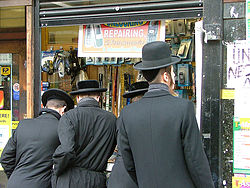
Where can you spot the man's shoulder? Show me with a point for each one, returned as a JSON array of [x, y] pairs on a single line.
[[146, 103], [83, 111], [109, 114]]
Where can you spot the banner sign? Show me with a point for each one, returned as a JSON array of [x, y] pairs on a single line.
[[118, 39], [238, 65], [241, 182], [241, 145]]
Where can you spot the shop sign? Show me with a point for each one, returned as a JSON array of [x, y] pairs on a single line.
[[118, 39], [238, 65], [241, 182], [5, 117], [5, 125], [5, 71], [227, 93], [15, 124]]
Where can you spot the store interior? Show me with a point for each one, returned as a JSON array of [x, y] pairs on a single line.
[[62, 68]]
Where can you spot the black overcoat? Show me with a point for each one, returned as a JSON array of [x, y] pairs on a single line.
[[27, 157], [161, 144], [88, 138], [119, 177]]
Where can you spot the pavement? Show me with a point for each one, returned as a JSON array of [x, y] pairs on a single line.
[[3, 180]]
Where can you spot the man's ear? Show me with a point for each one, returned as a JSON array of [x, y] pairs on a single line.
[[98, 98], [63, 110], [77, 98], [166, 77]]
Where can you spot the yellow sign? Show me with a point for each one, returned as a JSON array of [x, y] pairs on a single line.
[[227, 94], [5, 71], [241, 182], [5, 117], [15, 124]]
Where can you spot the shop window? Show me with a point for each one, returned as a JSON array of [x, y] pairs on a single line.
[[62, 68], [62, 63], [12, 17]]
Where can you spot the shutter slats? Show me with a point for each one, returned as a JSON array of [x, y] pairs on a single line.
[[122, 12]]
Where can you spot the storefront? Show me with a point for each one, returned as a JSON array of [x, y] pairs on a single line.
[[102, 40], [73, 25], [57, 26], [15, 44], [56, 32]]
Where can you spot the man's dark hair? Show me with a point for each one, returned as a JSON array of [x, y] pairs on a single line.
[[90, 94], [55, 103], [150, 75]]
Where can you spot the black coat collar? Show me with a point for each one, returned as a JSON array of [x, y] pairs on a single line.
[[156, 93], [50, 111], [88, 102], [159, 86]]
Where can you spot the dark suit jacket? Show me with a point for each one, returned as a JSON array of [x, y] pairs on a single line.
[[27, 157], [161, 143]]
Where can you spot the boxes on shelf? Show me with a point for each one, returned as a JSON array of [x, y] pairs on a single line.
[[184, 75]]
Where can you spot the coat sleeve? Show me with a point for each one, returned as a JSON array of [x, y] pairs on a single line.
[[65, 152], [195, 157], [125, 149], [8, 157]]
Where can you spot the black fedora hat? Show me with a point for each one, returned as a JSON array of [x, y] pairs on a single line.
[[57, 94], [156, 55], [88, 86], [137, 88]]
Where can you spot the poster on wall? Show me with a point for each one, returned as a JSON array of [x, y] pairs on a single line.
[[5, 128], [248, 20], [238, 65], [242, 102], [241, 131], [241, 146], [118, 39]]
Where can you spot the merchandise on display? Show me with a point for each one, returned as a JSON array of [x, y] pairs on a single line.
[[62, 68]]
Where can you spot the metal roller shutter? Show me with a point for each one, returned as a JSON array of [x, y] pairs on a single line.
[[106, 13]]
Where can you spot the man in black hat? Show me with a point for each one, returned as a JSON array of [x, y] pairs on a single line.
[[88, 138], [136, 91], [119, 177], [27, 157], [158, 135]]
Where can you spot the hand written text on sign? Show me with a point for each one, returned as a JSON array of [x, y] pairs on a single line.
[[238, 65]]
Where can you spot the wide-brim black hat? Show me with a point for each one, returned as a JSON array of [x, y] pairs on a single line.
[[57, 94], [88, 86], [156, 55], [137, 88]]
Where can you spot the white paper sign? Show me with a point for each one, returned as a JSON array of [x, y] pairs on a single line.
[[242, 149], [242, 103], [238, 65]]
